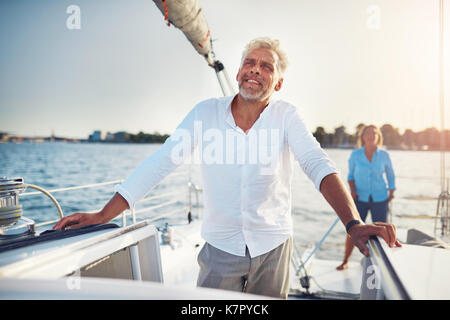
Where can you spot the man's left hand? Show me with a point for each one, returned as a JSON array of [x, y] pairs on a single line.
[[360, 235]]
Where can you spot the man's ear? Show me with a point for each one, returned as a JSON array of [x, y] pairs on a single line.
[[279, 84], [237, 74]]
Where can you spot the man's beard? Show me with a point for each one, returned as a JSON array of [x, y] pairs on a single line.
[[255, 95]]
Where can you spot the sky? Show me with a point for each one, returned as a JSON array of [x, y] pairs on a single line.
[[124, 69]]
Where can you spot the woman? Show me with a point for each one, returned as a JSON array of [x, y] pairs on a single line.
[[367, 164]]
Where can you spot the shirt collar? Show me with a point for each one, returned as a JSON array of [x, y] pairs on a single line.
[[229, 115], [376, 150], [375, 154]]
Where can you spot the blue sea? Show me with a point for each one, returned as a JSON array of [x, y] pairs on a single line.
[[59, 165]]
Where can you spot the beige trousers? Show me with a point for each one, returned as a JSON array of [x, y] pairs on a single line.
[[267, 274]]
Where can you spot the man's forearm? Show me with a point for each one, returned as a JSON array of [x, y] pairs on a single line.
[[334, 191], [113, 208]]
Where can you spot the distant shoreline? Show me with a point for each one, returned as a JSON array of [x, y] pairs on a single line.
[[430, 139], [75, 141]]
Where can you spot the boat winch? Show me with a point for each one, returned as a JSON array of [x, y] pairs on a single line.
[[12, 221]]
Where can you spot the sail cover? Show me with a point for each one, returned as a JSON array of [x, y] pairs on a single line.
[[187, 16]]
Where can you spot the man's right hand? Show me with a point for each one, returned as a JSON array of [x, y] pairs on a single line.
[[361, 233], [79, 220], [112, 209]]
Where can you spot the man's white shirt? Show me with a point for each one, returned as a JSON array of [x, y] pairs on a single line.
[[246, 176]]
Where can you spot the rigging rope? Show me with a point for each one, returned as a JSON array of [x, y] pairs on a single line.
[[166, 12]]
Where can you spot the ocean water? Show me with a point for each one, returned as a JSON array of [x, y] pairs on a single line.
[[59, 165]]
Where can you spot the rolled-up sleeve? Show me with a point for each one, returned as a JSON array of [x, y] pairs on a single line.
[[307, 151], [175, 150]]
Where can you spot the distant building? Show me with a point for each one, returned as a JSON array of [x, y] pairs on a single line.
[[121, 136], [97, 136], [109, 136], [3, 137]]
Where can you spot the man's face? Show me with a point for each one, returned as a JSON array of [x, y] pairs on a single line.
[[258, 76]]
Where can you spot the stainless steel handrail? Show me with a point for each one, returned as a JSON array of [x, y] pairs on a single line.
[[157, 206], [159, 196], [93, 185], [132, 212], [391, 284], [165, 215]]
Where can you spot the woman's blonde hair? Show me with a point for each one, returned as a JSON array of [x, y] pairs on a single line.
[[360, 142], [268, 43]]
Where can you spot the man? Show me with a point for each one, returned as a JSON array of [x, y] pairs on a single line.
[[247, 222]]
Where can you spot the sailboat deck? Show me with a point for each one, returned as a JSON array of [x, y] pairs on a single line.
[[327, 282]]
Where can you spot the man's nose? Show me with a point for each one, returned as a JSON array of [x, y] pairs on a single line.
[[256, 69]]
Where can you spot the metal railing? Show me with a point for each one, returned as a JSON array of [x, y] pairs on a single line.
[[132, 212], [443, 214], [318, 245], [391, 286]]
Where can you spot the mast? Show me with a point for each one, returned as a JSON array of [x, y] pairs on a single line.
[[441, 94], [443, 209], [187, 15]]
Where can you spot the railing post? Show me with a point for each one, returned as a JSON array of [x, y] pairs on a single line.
[[133, 214], [135, 263], [124, 219]]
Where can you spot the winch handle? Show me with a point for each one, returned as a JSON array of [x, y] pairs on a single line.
[[32, 186]]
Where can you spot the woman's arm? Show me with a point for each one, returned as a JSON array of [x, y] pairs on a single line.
[[351, 183], [390, 175], [351, 177]]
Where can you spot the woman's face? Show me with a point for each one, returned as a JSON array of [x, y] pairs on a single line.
[[370, 137]]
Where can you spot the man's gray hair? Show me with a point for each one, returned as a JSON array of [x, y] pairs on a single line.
[[268, 43]]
